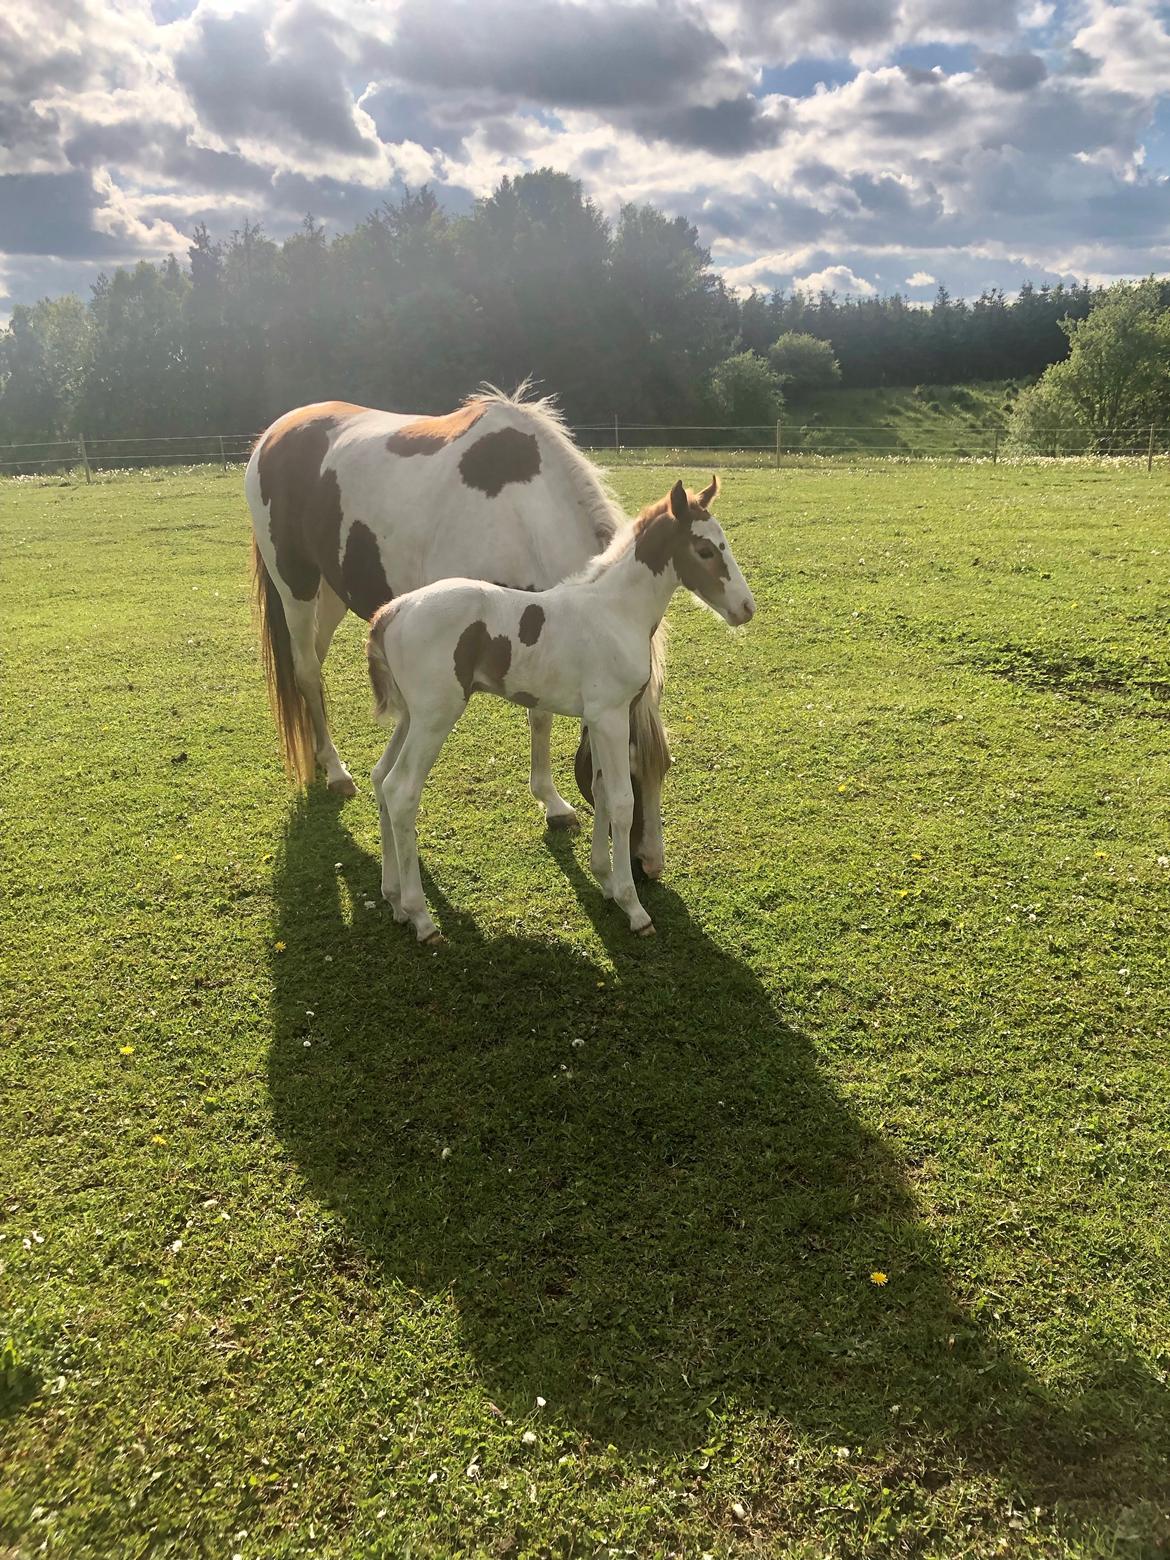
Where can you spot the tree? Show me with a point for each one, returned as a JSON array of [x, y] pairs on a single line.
[[803, 362], [44, 357], [1116, 378], [745, 393]]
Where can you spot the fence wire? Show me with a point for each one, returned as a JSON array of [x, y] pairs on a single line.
[[757, 445]]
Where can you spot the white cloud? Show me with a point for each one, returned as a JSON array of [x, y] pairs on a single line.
[[1130, 44], [834, 278], [921, 279]]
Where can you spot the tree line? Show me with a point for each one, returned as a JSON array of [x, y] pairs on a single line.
[[415, 306]]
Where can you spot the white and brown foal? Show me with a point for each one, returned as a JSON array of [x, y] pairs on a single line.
[[579, 648]]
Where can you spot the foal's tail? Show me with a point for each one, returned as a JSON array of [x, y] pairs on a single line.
[[289, 709], [387, 697]]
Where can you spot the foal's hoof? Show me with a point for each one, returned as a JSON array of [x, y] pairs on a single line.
[[343, 786], [563, 823], [433, 939], [649, 930]]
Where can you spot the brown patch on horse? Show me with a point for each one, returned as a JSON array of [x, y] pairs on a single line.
[[362, 572], [531, 623], [481, 661], [655, 536], [304, 502], [429, 435], [499, 458], [528, 700]]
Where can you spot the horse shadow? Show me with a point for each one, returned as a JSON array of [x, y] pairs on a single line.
[[646, 1200]]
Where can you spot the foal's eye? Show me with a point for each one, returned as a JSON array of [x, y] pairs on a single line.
[[706, 551]]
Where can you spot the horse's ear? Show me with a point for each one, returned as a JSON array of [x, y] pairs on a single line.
[[709, 494], [680, 504]]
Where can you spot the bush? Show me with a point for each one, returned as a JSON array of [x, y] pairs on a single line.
[[744, 392], [804, 362]]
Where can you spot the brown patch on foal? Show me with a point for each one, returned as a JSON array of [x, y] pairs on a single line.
[[429, 435], [499, 458], [362, 571], [481, 661], [304, 502], [528, 700], [531, 623]]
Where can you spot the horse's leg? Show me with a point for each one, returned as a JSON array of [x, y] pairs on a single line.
[[401, 791], [330, 611], [599, 847], [611, 747], [301, 617], [391, 889], [558, 813]]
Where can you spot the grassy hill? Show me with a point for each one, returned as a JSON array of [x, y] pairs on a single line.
[[943, 419]]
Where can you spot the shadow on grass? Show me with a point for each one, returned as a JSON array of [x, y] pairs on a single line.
[[680, 1216]]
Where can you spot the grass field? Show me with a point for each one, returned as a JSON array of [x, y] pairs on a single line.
[[833, 1221]]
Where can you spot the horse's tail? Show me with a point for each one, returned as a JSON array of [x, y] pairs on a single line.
[[387, 697], [289, 707], [647, 733]]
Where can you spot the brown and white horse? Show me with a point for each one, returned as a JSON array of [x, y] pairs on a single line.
[[353, 507]]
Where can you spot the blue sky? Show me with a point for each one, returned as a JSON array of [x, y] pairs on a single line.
[[866, 145]]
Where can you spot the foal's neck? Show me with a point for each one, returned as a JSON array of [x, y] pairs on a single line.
[[630, 584]]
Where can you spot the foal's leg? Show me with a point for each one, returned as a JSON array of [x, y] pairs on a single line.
[[301, 617], [391, 889], [558, 813], [611, 747], [401, 790]]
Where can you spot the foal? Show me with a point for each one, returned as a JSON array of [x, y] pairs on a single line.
[[580, 648]]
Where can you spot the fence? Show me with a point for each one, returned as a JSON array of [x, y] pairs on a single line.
[[759, 445]]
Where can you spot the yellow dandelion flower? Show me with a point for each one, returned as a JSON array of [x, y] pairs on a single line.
[[1101, 855], [842, 788], [126, 1050], [879, 1278], [158, 1138], [280, 946]]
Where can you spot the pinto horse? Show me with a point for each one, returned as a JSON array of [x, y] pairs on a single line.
[[579, 648], [352, 508]]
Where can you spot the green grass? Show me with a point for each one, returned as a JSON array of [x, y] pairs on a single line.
[[945, 420], [289, 1277]]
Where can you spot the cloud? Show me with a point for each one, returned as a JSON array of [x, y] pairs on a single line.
[[921, 279], [244, 81], [834, 278], [1129, 45], [1012, 72]]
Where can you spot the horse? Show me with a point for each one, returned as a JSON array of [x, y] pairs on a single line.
[[352, 507], [580, 648]]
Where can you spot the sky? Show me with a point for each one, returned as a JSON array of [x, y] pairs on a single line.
[[870, 146]]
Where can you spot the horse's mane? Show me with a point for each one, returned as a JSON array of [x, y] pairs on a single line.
[[602, 507]]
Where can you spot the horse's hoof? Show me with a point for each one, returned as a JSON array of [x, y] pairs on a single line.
[[563, 823], [649, 930], [433, 939], [343, 786]]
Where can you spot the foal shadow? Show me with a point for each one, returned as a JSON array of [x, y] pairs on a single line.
[[645, 1199]]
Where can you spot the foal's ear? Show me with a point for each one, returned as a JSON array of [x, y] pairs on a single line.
[[680, 504], [709, 494]]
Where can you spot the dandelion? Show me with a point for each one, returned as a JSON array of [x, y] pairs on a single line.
[[158, 1138], [126, 1050], [879, 1278], [842, 788], [1101, 855], [280, 946], [529, 1438]]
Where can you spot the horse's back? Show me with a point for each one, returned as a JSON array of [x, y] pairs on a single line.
[[379, 503]]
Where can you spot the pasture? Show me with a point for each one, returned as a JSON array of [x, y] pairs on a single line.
[[831, 1221]]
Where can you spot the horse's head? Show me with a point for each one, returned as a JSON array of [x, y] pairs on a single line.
[[702, 557]]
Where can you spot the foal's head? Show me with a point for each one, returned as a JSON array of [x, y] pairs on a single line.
[[681, 530]]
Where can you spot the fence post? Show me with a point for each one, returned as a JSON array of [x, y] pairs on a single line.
[[617, 438], [84, 456], [222, 456], [779, 430], [1150, 451], [995, 448]]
